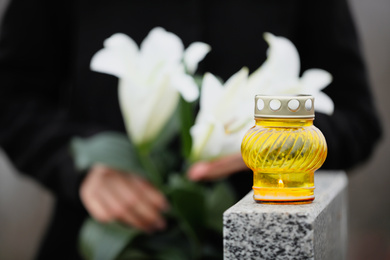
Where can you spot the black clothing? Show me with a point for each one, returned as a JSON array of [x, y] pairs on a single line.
[[49, 94]]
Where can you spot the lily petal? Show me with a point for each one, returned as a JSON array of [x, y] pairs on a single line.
[[211, 89], [208, 138], [128, 101], [235, 91], [187, 87], [161, 46], [118, 58], [282, 65], [316, 79], [143, 127], [323, 103], [283, 57], [194, 54], [232, 143], [161, 108]]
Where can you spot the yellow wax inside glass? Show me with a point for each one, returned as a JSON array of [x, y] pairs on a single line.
[[283, 155]]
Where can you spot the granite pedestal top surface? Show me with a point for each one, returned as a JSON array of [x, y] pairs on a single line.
[[307, 231]]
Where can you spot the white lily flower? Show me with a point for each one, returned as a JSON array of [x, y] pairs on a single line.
[[223, 117], [226, 111], [151, 78], [279, 75]]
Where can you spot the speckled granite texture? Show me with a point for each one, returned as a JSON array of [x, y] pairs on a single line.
[[310, 231]]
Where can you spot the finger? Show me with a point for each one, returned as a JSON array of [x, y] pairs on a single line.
[[123, 208], [88, 195], [149, 216], [135, 208], [110, 202], [217, 169], [152, 202], [152, 195], [96, 209], [100, 203]]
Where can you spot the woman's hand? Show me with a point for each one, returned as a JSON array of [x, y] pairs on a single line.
[[216, 169], [111, 195]]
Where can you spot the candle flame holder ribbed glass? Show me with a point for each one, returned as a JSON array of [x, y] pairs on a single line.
[[284, 149]]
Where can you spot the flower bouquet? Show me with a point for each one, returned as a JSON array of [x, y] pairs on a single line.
[[158, 93]]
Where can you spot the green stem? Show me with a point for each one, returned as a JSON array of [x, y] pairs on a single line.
[[150, 168], [187, 121]]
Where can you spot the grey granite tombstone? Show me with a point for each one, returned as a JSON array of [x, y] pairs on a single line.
[[309, 231]]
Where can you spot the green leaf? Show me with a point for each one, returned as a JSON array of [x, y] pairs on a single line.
[[214, 249], [132, 253], [188, 202], [109, 148], [220, 198], [190, 205], [170, 244], [173, 253], [187, 121], [99, 241]]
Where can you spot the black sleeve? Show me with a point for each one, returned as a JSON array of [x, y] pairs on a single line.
[[328, 40], [35, 62]]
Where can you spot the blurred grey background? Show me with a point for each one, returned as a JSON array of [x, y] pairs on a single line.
[[25, 207]]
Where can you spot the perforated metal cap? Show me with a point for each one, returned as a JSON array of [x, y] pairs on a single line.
[[286, 106]]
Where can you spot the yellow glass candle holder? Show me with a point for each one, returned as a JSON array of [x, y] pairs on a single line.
[[284, 149]]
